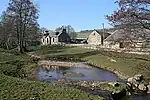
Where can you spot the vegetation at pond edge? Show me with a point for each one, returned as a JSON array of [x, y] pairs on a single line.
[[16, 71]]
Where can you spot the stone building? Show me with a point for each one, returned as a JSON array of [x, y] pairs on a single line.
[[50, 38], [97, 37], [122, 39]]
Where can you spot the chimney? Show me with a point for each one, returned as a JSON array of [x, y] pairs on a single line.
[[64, 31]]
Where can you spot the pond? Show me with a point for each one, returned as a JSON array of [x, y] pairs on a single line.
[[95, 74]]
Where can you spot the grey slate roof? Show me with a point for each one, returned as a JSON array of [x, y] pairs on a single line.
[[103, 33], [119, 35]]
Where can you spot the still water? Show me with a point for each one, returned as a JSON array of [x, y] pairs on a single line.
[[87, 74]]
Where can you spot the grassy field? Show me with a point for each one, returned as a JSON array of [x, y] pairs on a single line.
[[16, 70], [129, 64], [83, 35]]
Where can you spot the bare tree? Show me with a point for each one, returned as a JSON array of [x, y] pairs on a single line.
[[24, 14], [70, 30], [6, 31]]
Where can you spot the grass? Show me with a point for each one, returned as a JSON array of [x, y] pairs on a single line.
[[129, 64], [18, 89], [82, 35], [16, 73]]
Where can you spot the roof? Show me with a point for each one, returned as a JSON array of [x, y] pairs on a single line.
[[103, 33], [119, 35], [52, 34], [49, 33]]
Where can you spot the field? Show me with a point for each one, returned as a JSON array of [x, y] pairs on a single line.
[[83, 35]]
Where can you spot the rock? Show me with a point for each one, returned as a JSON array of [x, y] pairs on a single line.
[[148, 87], [94, 84], [133, 81], [50, 75], [142, 87], [113, 60], [114, 84], [61, 81], [129, 84], [84, 83], [138, 77]]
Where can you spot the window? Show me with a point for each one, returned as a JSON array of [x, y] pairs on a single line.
[[53, 39]]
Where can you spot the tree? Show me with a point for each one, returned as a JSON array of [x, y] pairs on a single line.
[[131, 13], [6, 32], [70, 30], [24, 14]]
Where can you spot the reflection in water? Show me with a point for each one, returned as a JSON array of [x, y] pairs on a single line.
[[89, 74]]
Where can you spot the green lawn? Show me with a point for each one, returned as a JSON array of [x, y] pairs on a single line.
[[15, 72], [129, 64], [82, 35]]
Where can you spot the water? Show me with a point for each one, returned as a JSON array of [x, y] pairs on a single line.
[[86, 74]]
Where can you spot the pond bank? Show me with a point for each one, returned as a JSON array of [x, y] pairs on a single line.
[[48, 63], [117, 72]]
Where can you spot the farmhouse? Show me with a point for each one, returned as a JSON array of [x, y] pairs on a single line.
[[122, 39], [97, 37], [50, 38]]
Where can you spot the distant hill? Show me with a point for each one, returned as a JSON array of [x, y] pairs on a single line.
[[85, 33]]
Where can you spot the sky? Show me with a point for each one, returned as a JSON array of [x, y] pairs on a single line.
[[80, 14]]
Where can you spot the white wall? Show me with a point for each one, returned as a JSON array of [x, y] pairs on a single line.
[[46, 41]]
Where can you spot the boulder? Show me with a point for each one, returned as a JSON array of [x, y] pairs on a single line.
[[142, 87], [129, 84], [94, 84], [138, 77], [114, 84], [84, 84], [133, 81], [148, 87]]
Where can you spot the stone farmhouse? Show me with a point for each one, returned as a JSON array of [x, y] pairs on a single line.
[[51, 38], [121, 39], [97, 37]]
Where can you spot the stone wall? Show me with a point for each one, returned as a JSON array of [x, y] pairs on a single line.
[[48, 63], [94, 38]]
